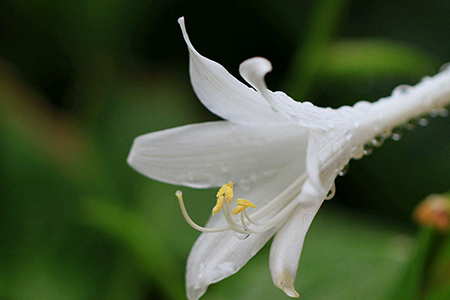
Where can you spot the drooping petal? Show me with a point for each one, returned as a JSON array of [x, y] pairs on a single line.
[[288, 242], [254, 70], [211, 154], [216, 256], [223, 94]]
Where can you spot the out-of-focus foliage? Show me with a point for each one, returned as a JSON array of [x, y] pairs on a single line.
[[79, 80]]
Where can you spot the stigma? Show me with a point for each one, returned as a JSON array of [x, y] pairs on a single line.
[[239, 220]]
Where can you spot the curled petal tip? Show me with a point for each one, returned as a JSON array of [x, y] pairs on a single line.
[[287, 286], [253, 70], [181, 20], [290, 291]]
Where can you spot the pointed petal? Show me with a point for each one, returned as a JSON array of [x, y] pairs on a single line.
[[288, 242], [218, 255], [223, 94], [211, 154]]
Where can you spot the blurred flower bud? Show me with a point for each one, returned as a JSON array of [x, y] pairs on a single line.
[[434, 211]]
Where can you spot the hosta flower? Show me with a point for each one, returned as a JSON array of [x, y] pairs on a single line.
[[278, 157]]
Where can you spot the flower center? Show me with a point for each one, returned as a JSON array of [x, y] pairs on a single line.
[[266, 218]]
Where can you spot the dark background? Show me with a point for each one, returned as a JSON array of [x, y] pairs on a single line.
[[79, 80]]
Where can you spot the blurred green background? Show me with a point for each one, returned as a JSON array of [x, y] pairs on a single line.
[[79, 80]]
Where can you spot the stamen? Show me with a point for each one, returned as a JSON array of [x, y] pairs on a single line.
[[218, 206], [278, 209], [245, 203], [238, 209], [227, 191], [242, 204], [188, 219]]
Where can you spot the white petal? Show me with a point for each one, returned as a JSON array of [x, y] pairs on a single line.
[[288, 242], [216, 256], [211, 154], [223, 94], [254, 70]]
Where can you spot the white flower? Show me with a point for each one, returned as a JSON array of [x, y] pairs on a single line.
[[281, 154]]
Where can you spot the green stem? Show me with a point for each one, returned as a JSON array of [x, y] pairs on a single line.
[[411, 284]]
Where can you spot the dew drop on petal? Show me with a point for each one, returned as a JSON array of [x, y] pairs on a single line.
[[443, 112], [423, 121], [378, 141], [358, 153], [348, 134], [433, 113], [400, 90], [412, 124], [387, 134], [368, 149], [356, 123], [397, 133], [331, 192], [362, 105], [344, 170]]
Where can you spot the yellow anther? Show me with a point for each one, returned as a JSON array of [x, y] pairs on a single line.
[[218, 206], [221, 191], [238, 209], [229, 193], [242, 204], [245, 203], [227, 190]]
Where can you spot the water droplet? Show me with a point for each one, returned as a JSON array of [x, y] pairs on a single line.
[[368, 149], [344, 170], [356, 123], [387, 134], [331, 192], [412, 124], [348, 134], [358, 153], [443, 112], [397, 133], [378, 141], [445, 67], [423, 121], [433, 113], [362, 105], [400, 90]]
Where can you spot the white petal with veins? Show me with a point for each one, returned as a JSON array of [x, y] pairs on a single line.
[[209, 154]]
